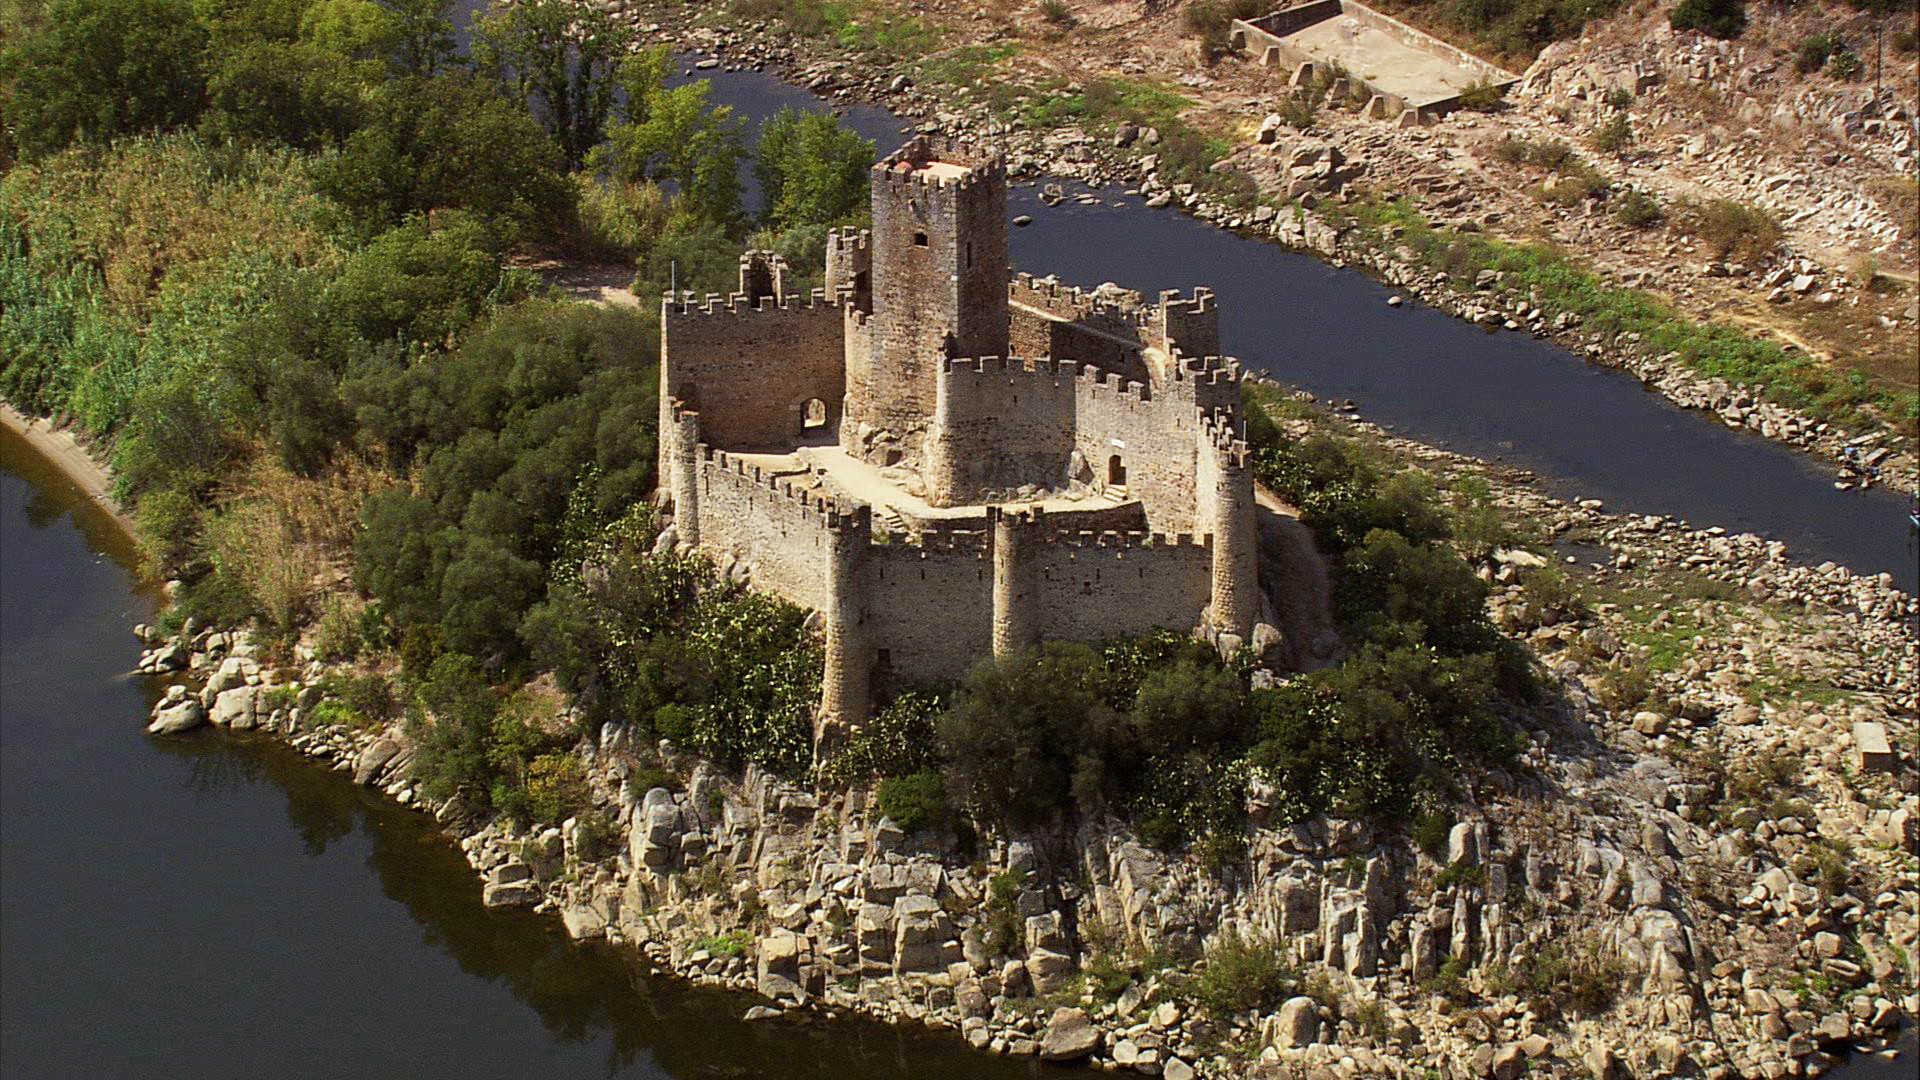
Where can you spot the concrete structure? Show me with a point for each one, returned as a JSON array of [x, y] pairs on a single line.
[[1401, 73], [947, 461]]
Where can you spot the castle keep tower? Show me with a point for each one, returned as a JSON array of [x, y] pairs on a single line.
[[938, 253]]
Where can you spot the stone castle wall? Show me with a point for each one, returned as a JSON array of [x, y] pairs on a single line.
[[1003, 422], [757, 364]]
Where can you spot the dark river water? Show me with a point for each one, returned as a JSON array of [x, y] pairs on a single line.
[[218, 906]]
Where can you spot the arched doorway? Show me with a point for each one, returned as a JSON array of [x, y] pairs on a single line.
[[1116, 472], [813, 415]]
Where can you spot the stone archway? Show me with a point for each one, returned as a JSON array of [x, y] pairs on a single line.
[[1116, 472]]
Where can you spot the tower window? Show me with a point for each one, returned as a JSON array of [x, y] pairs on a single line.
[[919, 239], [969, 253]]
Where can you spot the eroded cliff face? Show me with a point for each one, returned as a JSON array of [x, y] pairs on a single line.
[[1613, 904]]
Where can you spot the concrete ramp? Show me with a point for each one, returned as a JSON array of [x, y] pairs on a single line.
[[1381, 57]]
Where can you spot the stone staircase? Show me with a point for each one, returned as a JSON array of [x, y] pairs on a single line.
[[1116, 493]]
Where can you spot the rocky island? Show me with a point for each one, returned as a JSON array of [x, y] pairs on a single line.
[[878, 630]]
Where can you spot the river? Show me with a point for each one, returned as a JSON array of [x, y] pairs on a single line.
[[219, 906]]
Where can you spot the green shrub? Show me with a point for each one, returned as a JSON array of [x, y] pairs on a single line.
[[1732, 229], [1242, 974], [897, 741], [1004, 927], [1815, 50], [914, 802], [1723, 19], [1613, 135], [1431, 829], [1482, 96], [337, 638], [556, 787], [1635, 208], [1057, 13]]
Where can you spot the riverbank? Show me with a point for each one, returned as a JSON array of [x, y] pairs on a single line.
[[1699, 842], [65, 452], [1506, 289]]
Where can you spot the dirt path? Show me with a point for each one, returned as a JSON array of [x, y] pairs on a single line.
[[73, 461]]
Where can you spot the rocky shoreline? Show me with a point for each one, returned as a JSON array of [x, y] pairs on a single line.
[[1718, 940], [1883, 457]]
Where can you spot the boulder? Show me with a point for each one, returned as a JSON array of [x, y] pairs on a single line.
[[184, 715], [1870, 742], [1070, 1036], [231, 673], [777, 968], [1509, 1062], [510, 894], [1175, 1069], [235, 708], [369, 763], [1297, 1024], [655, 829]]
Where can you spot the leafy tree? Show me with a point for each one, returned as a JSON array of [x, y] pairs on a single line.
[[1016, 734], [671, 135], [1390, 589], [284, 92], [559, 57], [451, 141], [1724, 19], [97, 69], [424, 282], [811, 170], [410, 37]]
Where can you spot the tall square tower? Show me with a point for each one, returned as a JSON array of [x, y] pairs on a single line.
[[939, 278]]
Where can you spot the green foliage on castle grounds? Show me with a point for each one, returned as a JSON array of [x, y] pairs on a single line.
[[657, 641]]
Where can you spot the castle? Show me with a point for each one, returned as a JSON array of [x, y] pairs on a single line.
[[945, 460]]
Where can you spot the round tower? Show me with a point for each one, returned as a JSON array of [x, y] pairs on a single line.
[[1014, 625], [844, 691], [1236, 546], [680, 446]]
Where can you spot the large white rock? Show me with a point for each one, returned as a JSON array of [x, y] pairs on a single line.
[[235, 708], [1069, 1036], [185, 715]]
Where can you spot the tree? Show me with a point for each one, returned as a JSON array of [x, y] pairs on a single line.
[[1016, 732], [811, 170], [671, 135], [1724, 19], [451, 141], [101, 68], [286, 92], [559, 57]]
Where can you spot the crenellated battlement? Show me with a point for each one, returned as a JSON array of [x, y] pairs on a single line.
[[848, 240], [1086, 377], [1207, 370], [688, 303], [928, 164], [831, 513], [1220, 429]]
